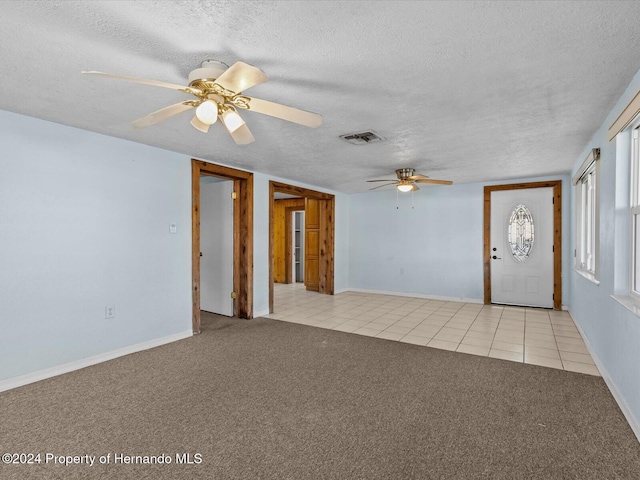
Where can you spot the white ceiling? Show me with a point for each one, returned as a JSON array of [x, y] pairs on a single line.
[[464, 91]]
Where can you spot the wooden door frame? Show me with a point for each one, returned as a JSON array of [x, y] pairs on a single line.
[[242, 237], [557, 235], [327, 266]]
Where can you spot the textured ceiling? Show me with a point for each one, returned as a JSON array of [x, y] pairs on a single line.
[[464, 91]]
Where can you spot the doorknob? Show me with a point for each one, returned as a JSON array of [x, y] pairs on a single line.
[[496, 258], [200, 253]]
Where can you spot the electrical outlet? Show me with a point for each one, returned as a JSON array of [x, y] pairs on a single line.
[[173, 228], [109, 311]]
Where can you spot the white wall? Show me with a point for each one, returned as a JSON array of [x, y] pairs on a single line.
[[611, 330], [84, 223], [430, 245]]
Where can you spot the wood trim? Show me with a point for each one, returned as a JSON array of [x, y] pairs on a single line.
[[329, 253], [242, 237], [195, 246], [326, 267], [626, 117], [299, 191], [557, 235]]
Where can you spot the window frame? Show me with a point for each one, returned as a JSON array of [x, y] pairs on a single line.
[[634, 207], [587, 201]]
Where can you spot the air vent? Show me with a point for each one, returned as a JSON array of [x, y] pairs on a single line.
[[362, 138]]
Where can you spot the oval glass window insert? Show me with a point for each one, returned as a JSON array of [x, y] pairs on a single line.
[[521, 233]]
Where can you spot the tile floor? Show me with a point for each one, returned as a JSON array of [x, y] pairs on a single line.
[[531, 335]]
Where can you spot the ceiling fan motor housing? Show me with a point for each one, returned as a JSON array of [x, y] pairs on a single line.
[[404, 173], [207, 73]]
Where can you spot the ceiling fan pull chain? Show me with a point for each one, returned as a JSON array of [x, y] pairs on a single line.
[[397, 199]]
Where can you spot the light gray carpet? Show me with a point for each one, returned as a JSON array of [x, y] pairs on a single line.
[[264, 399]]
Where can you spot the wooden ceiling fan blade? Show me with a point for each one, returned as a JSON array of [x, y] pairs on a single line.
[[416, 177], [381, 180], [162, 114], [415, 188], [240, 76], [290, 114], [380, 186], [197, 124], [242, 135], [435, 182], [144, 81]]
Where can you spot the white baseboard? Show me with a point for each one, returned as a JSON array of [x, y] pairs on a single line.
[[417, 295], [21, 380], [626, 411], [342, 290]]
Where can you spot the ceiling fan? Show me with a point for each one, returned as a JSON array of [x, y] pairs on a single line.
[[218, 90], [407, 180]]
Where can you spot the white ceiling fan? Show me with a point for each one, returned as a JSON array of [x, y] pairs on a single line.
[[218, 90], [407, 179]]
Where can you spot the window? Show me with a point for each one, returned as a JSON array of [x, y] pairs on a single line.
[[520, 233], [635, 211], [586, 182]]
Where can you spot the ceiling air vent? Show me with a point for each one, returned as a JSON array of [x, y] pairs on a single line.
[[362, 138]]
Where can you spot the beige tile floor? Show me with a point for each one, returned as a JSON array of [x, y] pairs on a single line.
[[528, 335]]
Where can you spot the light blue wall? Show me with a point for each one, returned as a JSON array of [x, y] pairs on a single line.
[[84, 223], [611, 329], [430, 244]]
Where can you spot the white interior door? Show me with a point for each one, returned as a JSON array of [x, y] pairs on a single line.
[[216, 245], [522, 247]]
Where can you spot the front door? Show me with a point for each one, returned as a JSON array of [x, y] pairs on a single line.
[[521, 244]]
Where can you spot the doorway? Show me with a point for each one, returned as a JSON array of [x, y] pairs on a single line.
[[242, 237], [297, 242], [522, 244], [284, 207], [319, 234]]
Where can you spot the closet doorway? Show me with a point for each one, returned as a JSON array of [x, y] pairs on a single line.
[[242, 237]]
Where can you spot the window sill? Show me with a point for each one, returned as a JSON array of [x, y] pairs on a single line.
[[588, 275], [629, 303]]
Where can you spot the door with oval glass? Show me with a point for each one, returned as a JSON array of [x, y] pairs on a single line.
[[522, 247]]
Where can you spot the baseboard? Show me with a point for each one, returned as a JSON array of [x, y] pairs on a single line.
[[626, 411], [342, 290], [15, 382], [417, 295]]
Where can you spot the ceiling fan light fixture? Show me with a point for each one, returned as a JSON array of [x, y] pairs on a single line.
[[232, 120], [207, 112], [405, 186]]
